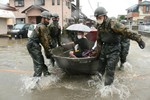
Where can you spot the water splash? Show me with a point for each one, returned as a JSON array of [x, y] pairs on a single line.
[[31, 84], [118, 88], [115, 89]]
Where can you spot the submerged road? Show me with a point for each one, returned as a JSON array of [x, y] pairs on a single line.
[[16, 82]]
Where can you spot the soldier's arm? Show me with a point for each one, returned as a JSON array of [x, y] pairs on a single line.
[[45, 41], [123, 30]]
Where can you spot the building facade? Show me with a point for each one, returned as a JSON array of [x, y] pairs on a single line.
[[6, 18], [29, 10], [139, 13]]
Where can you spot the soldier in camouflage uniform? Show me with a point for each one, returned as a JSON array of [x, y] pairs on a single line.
[[55, 33], [71, 35], [40, 37], [125, 45], [108, 42]]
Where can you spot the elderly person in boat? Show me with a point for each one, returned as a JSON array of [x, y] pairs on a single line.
[[81, 46]]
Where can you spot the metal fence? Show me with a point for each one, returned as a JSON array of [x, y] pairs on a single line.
[[144, 28]]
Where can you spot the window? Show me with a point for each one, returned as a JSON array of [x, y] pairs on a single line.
[[147, 9], [19, 3], [69, 5], [39, 2], [53, 2], [20, 20], [58, 2]]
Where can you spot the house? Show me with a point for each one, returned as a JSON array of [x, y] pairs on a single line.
[[139, 13], [6, 17], [30, 10]]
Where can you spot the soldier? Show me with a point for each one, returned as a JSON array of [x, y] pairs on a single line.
[[125, 45], [108, 42], [40, 37], [71, 35], [81, 21], [55, 33]]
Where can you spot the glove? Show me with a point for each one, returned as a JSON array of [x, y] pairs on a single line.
[[48, 54], [141, 44]]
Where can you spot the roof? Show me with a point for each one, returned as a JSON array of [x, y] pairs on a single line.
[[134, 7], [75, 13], [7, 7], [144, 3], [34, 6], [6, 14]]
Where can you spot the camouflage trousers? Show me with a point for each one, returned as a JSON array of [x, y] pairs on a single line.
[[109, 58], [34, 50], [124, 50]]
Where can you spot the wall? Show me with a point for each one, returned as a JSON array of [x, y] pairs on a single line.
[[62, 10], [3, 25]]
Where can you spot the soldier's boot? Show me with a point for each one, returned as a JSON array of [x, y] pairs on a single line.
[[37, 72], [108, 82], [47, 73], [121, 67], [109, 78]]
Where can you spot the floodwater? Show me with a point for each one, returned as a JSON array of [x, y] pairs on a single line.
[[17, 83]]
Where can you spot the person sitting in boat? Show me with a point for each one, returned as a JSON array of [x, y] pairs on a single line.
[[81, 46]]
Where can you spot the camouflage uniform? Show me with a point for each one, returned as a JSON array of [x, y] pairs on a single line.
[[55, 34], [39, 36], [125, 44], [71, 34], [108, 40]]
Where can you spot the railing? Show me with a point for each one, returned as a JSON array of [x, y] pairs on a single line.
[[144, 28]]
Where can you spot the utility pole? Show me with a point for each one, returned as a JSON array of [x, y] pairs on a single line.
[[78, 9], [62, 13], [97, 4]]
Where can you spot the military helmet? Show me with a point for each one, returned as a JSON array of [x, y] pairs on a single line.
[[100, 11], [81, 20], [55, 15], [71, 20], [46, 14]]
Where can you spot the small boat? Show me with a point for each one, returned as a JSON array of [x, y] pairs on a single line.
[[75, 66]]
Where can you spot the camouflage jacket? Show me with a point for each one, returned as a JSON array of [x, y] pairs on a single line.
[[55, 32], [114, 29], [40, 35]]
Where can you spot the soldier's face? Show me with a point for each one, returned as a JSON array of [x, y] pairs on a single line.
[[100, 19], [46, 21]]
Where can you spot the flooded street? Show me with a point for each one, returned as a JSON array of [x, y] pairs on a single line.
[[16, 82]]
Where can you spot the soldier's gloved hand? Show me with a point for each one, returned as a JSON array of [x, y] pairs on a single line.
[[141, 44], [48, 54]]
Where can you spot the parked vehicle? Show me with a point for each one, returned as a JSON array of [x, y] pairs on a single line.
[[31, 28], [19, 31]]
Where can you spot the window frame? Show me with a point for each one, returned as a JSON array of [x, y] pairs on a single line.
[[18, 5], [42, 2], [53, 2], [58, 2]]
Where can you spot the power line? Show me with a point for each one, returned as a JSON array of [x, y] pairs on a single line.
[[90, 5]]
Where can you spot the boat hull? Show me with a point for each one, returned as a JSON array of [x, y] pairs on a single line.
[[86, 65]]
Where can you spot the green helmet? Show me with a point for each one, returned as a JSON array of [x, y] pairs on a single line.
[[100, 11], [81, 20], [46, 14], [71, 20], [55, 15]]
